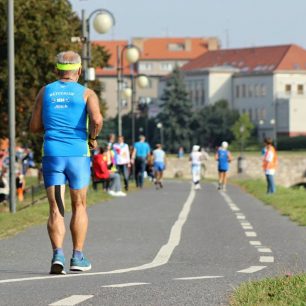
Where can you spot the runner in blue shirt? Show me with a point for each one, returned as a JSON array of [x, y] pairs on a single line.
[[224, 157], [140, 155], [61, 113]]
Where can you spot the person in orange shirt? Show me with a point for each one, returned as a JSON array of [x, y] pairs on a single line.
[[269, 164]]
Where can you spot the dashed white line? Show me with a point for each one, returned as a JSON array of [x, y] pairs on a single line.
[[125, 285], [198, 277], [72, 300], [247, 227], [266, 259], [241, 217], [252, 269], [250, 234], [264, 250], [255, 243]]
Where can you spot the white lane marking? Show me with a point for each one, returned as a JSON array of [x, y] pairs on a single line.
[[161, 258], [247, 227], [197, 277], [72, 300], [264, 250], [252, 269], [250, 234], [255, 243], [125, 285], [266, 259], [234, 208], [245, 223], [241, 217]]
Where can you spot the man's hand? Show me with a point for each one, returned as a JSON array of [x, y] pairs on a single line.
[[92, 144]]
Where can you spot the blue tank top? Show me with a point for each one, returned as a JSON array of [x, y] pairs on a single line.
[[64, 117], [223, 159]]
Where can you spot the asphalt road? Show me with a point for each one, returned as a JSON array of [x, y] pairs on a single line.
[[174, 246]]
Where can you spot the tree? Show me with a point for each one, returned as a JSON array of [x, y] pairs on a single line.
[[176, 113], [212, 124], [42, 29], [242, 129]]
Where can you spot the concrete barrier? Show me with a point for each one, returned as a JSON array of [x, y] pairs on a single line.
[[291, 168]]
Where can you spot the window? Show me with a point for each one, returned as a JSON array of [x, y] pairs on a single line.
[[176, 47], [237, 91], [243, 91], [203, 96], [257, 91], [251, 91], [145, 66], [300, 89], [263, 90], [166, 66], [288, 89]]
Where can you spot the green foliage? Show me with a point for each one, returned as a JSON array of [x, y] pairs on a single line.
[[176, 113], [289, 202], [212, 124], [242, 129], [42, 29], [280, 291], [291, 143]]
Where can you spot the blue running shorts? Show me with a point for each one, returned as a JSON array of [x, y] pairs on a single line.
[[159, 166], [58, 170]]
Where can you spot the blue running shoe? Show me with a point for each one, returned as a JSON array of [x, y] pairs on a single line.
[[58, 264], [80, 264]]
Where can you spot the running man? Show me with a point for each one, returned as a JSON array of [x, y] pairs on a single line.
[[224, 157], [159, 165], [140, 156], [60, 112], [196, 163]]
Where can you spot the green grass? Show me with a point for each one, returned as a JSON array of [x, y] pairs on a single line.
[[29, 215], [280, 291], [284, 290], [289, 202]]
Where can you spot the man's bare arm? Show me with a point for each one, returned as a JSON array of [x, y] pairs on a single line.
[[95, 117], [36, 124]]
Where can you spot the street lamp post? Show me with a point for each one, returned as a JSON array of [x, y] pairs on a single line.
[[103, 22], [142, 82], [131, 55], [11, 100], [160, 126]]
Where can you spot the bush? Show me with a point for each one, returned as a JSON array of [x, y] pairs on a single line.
[[291, 143]]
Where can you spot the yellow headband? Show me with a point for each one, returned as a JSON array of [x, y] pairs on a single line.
[[68, 66]]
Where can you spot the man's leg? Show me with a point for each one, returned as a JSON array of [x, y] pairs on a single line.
[[79, 219], [56, 226], [126, 177]]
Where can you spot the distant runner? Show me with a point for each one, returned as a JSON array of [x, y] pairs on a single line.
[[159, 165], [224, 157]]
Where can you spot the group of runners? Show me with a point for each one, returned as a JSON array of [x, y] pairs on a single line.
[[69, 117]]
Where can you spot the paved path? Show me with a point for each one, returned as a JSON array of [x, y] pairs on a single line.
[[168, 247]]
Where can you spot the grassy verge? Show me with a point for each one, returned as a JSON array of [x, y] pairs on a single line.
[[280, 291], [289, 202], [11, 224], [284, 290]]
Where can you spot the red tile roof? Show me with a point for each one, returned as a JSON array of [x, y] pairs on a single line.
[[111, 47], [160, 48], [156, 49], [270, 58]]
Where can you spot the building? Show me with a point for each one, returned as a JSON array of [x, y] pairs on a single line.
[[269, 83], [158, 57]]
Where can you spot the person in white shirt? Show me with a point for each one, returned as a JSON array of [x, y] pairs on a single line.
[[196, 162], [159, 165], [123, 161]]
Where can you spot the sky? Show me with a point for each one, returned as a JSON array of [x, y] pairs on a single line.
[[237, 23]]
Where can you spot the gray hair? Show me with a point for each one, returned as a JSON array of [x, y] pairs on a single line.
[[68, 57]]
